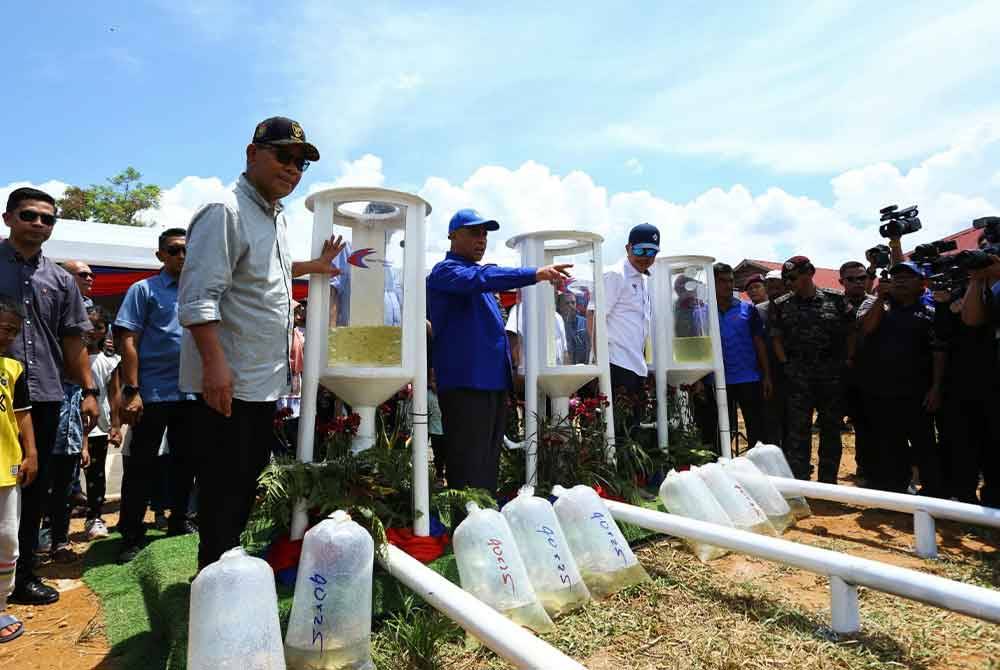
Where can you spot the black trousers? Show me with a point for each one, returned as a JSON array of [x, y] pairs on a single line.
[[749, 397], [969, 436], [141, 469], [904, 436], [96, 482], [776, 410], [854, 408], [45, 421], [236, 450], [62, 473], [625, 381], [474, 422]]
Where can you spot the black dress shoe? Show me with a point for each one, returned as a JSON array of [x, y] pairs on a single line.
[[34, 592], [183, 528], [128, 552]]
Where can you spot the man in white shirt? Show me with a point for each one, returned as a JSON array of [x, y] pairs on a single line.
[[629, 311]]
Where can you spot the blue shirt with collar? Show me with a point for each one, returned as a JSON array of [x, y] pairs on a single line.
[[150, 311], [470, 348], [738, 325]]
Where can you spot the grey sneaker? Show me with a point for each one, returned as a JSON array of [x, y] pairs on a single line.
[[96, 529]]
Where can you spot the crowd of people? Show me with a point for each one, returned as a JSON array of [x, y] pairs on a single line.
[[199, 357]]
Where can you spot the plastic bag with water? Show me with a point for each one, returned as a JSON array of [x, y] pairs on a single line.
[[490, 568], [331, 620], [686, 494], [771, 460], [233, 621], [744, 511], [546, 553], [760, 487], [606, 562]]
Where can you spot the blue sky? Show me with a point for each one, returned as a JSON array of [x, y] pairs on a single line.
[[672, 99]]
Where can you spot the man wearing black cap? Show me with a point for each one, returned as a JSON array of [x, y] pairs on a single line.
[[628, 310], [235, 303], [902, 365], [470, 349], [809, 329]]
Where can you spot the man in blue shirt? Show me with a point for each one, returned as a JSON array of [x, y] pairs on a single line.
[[152, 402], [744, 355], [470, 349]]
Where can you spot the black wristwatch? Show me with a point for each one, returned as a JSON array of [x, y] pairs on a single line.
[[129, 390], [94, 392]]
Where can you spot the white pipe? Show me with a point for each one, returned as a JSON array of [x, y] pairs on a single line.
[[939, 508], [964, 598], [924, 534], [845, 617], [661, 357], [513, 643], [365, 437], [314, 358], [601, 349], [421, 459], [721, 401]]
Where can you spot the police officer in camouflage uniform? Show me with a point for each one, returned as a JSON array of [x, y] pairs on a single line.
[[809, 329]]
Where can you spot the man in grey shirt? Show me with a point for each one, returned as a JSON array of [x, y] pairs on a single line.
[[50, 346], [235, 303]]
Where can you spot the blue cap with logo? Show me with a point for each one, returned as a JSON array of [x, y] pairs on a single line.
[[644, 236], [470, 217], [907, 265]]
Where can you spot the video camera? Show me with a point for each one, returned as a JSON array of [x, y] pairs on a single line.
[[899, 222], [879, 256], [931, 251]]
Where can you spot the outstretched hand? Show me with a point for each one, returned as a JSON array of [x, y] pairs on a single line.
[[553, 273], [322, 264]]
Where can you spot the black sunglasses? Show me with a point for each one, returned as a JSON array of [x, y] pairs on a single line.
[[176, 249], [29, 215], [286, 157], [83, 274]]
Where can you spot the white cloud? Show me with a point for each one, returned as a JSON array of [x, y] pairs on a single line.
[[952, 187], [634, 166], [53, 187]]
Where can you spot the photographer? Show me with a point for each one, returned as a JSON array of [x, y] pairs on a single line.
[[981, 308], [902, 366], [967, 429]]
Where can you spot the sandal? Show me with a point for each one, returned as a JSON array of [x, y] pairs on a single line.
[[10, 620]]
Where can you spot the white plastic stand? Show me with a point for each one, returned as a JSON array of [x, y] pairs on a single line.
[[667, 367], [542, 367], [365, 387]]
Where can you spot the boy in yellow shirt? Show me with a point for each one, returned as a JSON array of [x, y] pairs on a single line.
[[18, 459]]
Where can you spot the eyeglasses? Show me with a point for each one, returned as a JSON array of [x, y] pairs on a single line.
[[176, 249], [286, 157], [29, 215], [83, 274], [645, 253]]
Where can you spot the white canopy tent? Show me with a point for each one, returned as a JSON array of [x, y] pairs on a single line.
[[104, 244]]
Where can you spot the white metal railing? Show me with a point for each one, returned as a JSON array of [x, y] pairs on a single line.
[[515, 644], [845, 572], [923, 508]]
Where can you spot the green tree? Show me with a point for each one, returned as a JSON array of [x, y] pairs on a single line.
[[117, 202]]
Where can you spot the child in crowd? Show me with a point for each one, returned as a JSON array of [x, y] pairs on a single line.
[[18, 458], [104, 370]]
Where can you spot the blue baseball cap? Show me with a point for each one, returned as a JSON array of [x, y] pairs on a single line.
[[907, 265], [644, 236], [470, 217]]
